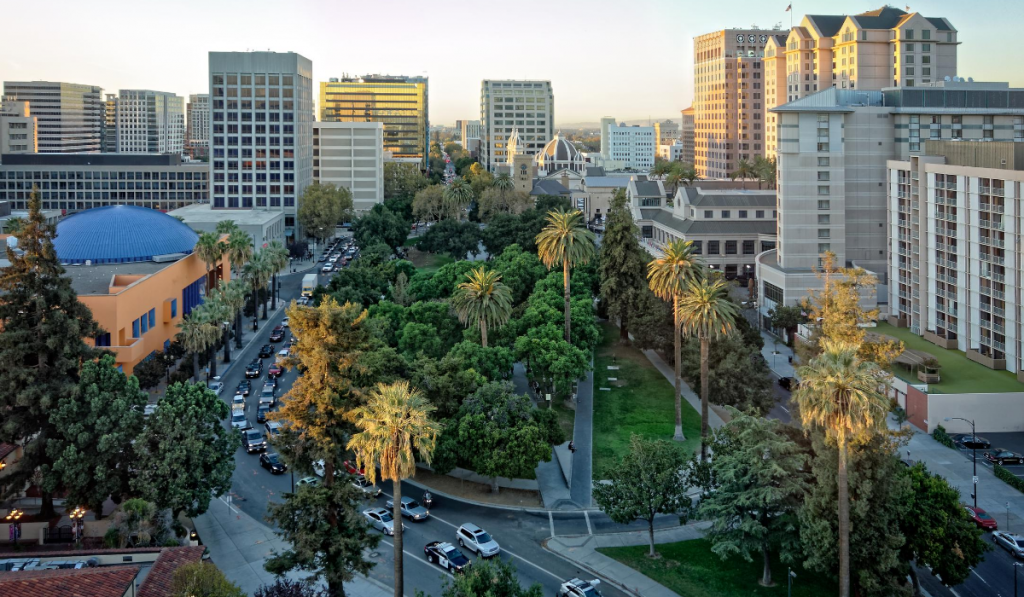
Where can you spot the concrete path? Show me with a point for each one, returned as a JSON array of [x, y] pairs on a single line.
[[240, 544], [714, 421], [581, 483], [582, 551], [779, 363]]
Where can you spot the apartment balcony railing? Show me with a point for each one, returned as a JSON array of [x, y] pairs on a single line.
[[998, 294], [992, 224], [993, 258], [992, 241], [992, 207]]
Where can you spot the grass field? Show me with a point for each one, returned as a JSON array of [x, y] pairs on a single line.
[[959, 374], [428, 262], [640, 401], [691, 569]]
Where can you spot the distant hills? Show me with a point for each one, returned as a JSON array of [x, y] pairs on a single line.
[[595, 124]]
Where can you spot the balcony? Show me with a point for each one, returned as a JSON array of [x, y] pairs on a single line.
[[993, 276], [992, 258], [946, 216], [992, 207], [992, 241], [997, 294], [991, 224]]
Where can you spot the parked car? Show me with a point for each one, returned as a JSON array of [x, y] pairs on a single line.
[[216, 386], [308, 481], [446, 556], [261, 413], [276, 370], [1011, 542], [981, 518], [272, 462], [477, 540], [1003, 456], [411, 509], [579, 588], [975, 442], [240, 421], [366, 487], [381, 520], [244, 387], [267, 350], [788, 383], [253, 441], [350, 468]]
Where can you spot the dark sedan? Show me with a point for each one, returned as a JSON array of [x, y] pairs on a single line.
[[788, 383], [1003, 456], [244, 387], [261, 413], [272, 462], [277, 334], [976, 442], [253, 371], [267, 350]]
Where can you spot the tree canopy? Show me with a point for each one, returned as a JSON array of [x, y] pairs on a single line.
[[322, 207]]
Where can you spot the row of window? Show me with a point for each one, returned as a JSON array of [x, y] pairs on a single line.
[[118, 196], [727, 213], [247, 202], [46, 185], [144, 324], [253, 117], [271, 141], [749, 247], [249, 164], [248, 177], [90, 175]]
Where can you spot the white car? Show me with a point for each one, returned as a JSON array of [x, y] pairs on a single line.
[[284, 322], [238, 402], [240, 421], [477, 540], [217, 387], [381, 520], [579, 588], [283, 354], [1011, 542], [318, 468], [148, 410], [327, 269]]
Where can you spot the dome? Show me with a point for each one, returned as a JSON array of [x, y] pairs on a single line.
[[559, 154], [121, 234]]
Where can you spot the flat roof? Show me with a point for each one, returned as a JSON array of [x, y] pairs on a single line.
[[202, 212], [95, 279], [94, 159]]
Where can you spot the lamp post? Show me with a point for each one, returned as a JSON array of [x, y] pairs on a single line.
[[226, 329], [789, 578], [77, 523], [14, 518], [974, 455], [1015, 566]]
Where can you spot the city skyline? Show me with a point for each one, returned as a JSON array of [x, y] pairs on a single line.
[[558, 41]]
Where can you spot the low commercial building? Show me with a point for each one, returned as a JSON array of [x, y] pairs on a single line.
[[673, 152], [18, 128], [262, 225], [76, 182], [351, 155]]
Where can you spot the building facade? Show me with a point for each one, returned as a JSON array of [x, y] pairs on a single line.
[[507, 105], [69, 115], [261, 131], [78, 182], [109, 144], [150, 122], [399, 102], [197, 132], [351, 155], [728, 105], [666, 132], [18, 128], [632, 146], [469, 131], [263, 226], [686, 135], [671, 153]]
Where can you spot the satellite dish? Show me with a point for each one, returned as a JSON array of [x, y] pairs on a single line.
[[947, 78]]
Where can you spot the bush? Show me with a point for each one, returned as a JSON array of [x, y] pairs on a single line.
[[1009, 478], [112, 538], [943, 438]]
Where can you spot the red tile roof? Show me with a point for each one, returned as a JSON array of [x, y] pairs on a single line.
[[158, 581], [6, 449], [111, 581]]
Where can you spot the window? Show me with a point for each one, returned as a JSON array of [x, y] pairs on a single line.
[[759, 213], [823, 176], [725, 214], [712, 247], [823, 162], [824, 248], [748, 247], [910, 47], [730, 247], [152, 318], [743, 214], [926, 34], [772, 293], [823, 147], [824, 233], [174, 307], [135, 329], [909, 60], [102, 340], [823, 219], [708, 213], [698, 247], [908, 34], [823, 190]]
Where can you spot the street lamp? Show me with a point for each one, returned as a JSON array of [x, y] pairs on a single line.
[[77, 523], [1015, 566], [14, 518], [974, 455], [790, 578]]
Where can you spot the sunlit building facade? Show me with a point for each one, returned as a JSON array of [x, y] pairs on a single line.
[[70, 115], [527, 107]]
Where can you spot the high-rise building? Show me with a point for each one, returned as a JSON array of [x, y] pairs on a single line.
[[351, 155], [18, 128], [666, 132], [881, 48], [261, 142], [507, 105], [686, 135], [470, 135], [399, 102], [629, 147], [110, 123], [727, 104], [150, 122], [197, 133], [70, 116]]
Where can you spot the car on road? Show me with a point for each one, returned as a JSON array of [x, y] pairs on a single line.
[[273, 428], [477, 540], [285, 322], [308, 481], [272, 462], [975, 442], [267, 350], [240, 421], [216, 386], [1004, 457], [579, 588], [446, 556], [244, 387], [268, 397], [362, 484], [326, 269], [238, 402], [276, 370], [350, 468], [788, 383], [253, 441], [252, 370], [283, 354], [277, 334], [1011, 542], [411, 508], [381, 520], [148, 410], [981, 518], [261, 412]]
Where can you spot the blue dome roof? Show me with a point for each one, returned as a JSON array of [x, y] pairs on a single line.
[[121, 234]]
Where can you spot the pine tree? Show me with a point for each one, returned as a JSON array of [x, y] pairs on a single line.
[[41, 347], [622, 265]]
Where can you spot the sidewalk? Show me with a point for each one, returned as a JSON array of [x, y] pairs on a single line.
[[779, 363], [581, 479], [239, 544], [582, 551]]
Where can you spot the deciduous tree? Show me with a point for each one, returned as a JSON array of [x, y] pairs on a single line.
[[489, 578], [199, 579], [451, 237], [322, 207], [401, 179], [428, 206], [380, 224]]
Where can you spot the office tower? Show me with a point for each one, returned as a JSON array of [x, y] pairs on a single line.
[[261, 142], [666, 131], [70, 116], [629, 147], [399, 102], [607, 122], [881, 48], [197, 134], [351, 155], [470, 135], [833, 152], [110, 123], [686, 135], [150, 122], [526, 106], [18, 128]]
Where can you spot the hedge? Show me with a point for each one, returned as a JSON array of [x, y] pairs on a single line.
[[1009, 478], [942, 437]]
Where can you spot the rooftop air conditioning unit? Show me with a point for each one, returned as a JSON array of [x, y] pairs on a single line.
[[88, 262]]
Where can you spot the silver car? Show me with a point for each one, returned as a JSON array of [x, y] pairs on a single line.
[[1011, 542], [240, 421], [366, 487], [411, 508], [381, 520], [477, 540]]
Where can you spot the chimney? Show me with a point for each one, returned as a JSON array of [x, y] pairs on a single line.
[[565, 179]]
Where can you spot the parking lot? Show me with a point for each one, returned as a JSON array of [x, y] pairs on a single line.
[[1013, 441]]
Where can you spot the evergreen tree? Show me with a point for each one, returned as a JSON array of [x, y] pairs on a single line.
[[41, 347], [621, 265]]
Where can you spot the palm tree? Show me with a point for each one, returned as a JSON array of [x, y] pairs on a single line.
[[13, 225], [226, 227], [662, 167], [503, 182], [210, 250], [456, 196], [197, 334], [668, 276], [842, 394], [239, 253], [744, 170], [565, 241], [232, 296], [674, 177], [277, 255], [394, 422], [216, 312], [689, 174], [484, 300], [707, 313], [257, 272]]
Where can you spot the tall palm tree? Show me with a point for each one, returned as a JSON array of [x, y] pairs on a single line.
[[842, 394], [503, 182], [565, 241], [226, 227], [232, 295], [240, 249], [456, 196], [197, 334], [707, 313], [689, 174], [484, 300], [394, 422], [210, 250], [661, 167], [744, 170], [257, 272], [674, 178], [277, 255], [216, 312], [667, 277]]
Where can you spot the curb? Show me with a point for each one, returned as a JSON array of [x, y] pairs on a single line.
[[495, 506], [579, 564]]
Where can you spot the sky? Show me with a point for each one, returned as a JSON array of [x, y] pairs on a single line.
[[630, 59]]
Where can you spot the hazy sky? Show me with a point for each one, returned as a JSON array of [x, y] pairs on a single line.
[[629, 59]]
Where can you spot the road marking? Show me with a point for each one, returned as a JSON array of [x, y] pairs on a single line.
[[551, 521], [980, 577], [784, 408], [227, 502], [590, 531], [418, 557]]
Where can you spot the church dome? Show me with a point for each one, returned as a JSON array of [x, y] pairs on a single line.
[[559, 154]]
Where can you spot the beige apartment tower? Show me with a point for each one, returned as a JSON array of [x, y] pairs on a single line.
[[17, 127], [686, 135], [526, 108]]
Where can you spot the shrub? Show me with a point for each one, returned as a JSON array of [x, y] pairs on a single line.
[[942, 437], [1009, 478]]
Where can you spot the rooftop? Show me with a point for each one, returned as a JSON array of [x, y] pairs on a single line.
[[158, 581], [121, 234], [741, 227], [93, 159], [113, 581], [607, 181], [95, 279], [730, 197], [201, 213]]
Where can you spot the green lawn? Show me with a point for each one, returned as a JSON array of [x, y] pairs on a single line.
[[690, 569], [428, 262], [959, 374], [641, 401]]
